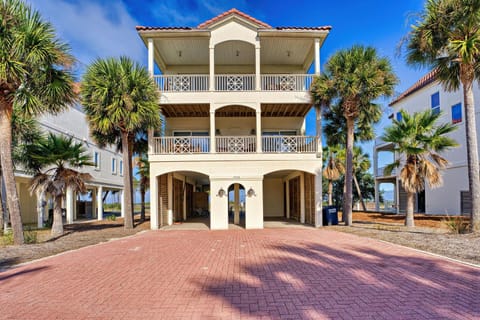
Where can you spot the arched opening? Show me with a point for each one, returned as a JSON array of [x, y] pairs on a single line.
[[289, 195], [235, 129], [183, 196], [236, 204]]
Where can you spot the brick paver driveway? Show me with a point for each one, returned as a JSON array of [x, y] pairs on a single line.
[[270, 274]]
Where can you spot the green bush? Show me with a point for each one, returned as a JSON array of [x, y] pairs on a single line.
[[456, 224], [112, 217], [29, 235], [7, 238]]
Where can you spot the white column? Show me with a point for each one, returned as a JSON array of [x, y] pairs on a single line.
[[397, 195], [212, 131], [122, 203], [170, 198], [287, 202], [150, 56], [377, 196], [254, 205], [184, 200], [318, 126], [258, 119], [318, 199], [69, 205], [153, 202], [218, 206], [257, 65], [317, 56], [100, 203], [94, 203], [212, 67], [302, 198], [236, 191]]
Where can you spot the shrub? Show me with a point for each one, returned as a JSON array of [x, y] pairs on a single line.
[[7, 238], [112, 217], [456, 224], [30, 236]]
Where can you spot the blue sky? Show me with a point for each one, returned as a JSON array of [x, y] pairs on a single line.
[[96, 28]]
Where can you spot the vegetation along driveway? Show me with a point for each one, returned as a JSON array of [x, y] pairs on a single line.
[[268, 274]]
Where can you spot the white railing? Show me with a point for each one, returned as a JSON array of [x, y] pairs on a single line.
[[286, 82], [236, 144], [184, 82], [381, 172], [289, 144], [234, 82], [179, 145]]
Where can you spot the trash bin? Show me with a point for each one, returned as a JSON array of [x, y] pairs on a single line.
[[330, 216]]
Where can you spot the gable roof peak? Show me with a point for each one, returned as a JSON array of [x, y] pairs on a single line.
[[232, 12]]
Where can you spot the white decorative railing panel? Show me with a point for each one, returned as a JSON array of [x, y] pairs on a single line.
[[182, 83], [180, 145], [286, 82], [235, 82], [289, 144], [236, 144]]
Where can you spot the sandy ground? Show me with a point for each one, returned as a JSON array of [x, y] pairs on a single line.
[[430, 234]]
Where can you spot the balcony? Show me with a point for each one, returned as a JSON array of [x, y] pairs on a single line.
[[381, 172], [234, 82], [234, 145]]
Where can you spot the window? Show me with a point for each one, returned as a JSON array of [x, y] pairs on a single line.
[[399, 116], [457, 113], [436, 102], [114, 166], [121, 167], [96, 160]]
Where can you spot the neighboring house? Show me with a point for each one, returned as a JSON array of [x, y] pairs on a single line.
[[234, 96], [107, 172], [453, 197]]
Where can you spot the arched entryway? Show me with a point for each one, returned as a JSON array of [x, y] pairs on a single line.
[[236, 204]]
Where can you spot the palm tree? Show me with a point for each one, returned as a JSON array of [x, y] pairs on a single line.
[[447, 39], [360, 164], [57, 155], [144, 181], [333, 169], [34, 77], [419, 140], [358, 77], [119, 99]]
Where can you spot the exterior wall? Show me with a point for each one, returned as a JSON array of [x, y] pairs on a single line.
[[72, 122], [273, 204], [445, 199]]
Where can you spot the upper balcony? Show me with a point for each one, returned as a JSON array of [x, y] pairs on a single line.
[[234, 82]]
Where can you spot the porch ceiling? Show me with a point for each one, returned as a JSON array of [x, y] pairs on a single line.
[[203, 110]]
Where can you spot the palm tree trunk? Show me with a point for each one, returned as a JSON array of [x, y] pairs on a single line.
[[344, 211], [13, 202], [330, 192], [2, 211], [57, 226], [409, 216], [349, 172], [359, 192], [127, 182], [472, 149], [40, 207], [142, 199]]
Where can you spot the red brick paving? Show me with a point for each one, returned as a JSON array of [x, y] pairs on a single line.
[[238, 274]]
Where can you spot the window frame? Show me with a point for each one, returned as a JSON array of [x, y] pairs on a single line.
[[114, 165], [97, 160], [120, 168], [459, 106], [435, 105]]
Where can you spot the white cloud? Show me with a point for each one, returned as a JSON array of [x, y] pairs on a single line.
[[94, 30]]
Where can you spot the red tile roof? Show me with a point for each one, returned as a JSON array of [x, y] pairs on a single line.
[[232, 12], [142, 28], [424, 81], [305, 28]]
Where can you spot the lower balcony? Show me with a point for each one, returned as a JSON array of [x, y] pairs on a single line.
[[233, 144]]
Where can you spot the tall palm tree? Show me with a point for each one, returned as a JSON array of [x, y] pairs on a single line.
[[360, 164], [56, 156], [120, 98], [420, 141], [34, 77], [333, 169], [358, 76], [447, 38]]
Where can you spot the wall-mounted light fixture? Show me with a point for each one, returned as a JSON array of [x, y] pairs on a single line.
[[180, 53], [251, 192], [221, 193], [288, 53], [237, 53]]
